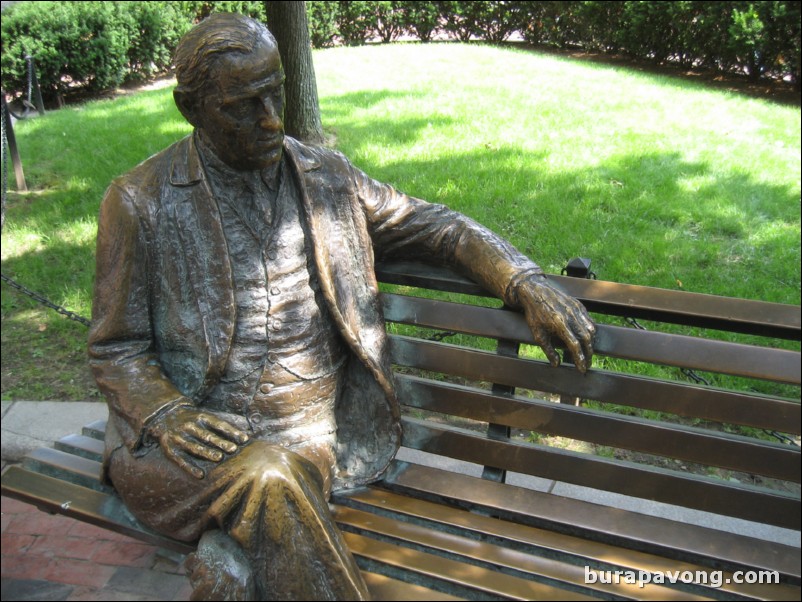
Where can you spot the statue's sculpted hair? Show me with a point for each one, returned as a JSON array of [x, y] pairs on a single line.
[[218, 34]]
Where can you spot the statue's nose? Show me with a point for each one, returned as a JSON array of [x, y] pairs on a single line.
[[272, 114]]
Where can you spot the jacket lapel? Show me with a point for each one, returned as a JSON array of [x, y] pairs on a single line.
[[205, 255], [343, 255]]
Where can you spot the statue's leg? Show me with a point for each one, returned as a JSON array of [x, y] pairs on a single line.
[[269, 500], [219, 569]]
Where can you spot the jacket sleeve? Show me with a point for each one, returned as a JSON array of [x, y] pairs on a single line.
[[121, 342], [405, 227]]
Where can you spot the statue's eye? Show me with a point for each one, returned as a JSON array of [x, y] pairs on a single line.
[[242, 107]]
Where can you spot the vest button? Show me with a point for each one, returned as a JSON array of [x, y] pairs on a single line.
[[272, 357], [275, 291], [275, 324], [266, 387], [255, 418]]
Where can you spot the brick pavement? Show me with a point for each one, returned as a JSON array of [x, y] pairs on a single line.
[[51, 557]]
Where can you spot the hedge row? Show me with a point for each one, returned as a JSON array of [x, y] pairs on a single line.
[[94, 46], [760, 39]]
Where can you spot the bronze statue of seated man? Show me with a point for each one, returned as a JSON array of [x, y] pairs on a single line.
[[237, 333]]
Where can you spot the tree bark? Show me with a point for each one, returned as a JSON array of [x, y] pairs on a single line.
[[287, 22]]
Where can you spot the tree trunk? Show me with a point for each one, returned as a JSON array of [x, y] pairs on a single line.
[[287, 22]]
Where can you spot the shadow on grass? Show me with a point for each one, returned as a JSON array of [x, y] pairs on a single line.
[[651, 219], [771, 90], [348, 111], [655, 220]]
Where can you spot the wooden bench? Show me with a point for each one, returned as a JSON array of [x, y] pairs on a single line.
[[510, 487]]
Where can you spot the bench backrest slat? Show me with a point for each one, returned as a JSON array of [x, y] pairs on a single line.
[[655, 347], [685, 443], [639, 401], [721, 497], [683, 399], [744, 316], [677, 307]]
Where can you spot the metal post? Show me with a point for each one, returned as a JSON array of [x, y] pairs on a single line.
[[578, 267], [11, 141], [501, 432], [34, 89]]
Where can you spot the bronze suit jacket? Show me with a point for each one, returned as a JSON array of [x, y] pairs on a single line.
[[164, 310]]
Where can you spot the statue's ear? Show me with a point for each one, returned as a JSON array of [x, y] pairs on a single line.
[[186, 104]]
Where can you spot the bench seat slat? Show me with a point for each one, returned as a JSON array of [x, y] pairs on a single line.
[[66, 466], [80, 445], [640, 345], [107, 511], [682, 489], [482, 553], [96, 430], [600, 523], [674, 441], [89, 505], [580, 552], [683, 399], [447, 571], [386, 588]]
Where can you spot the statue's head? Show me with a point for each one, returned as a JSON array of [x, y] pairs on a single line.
[[231, 89]]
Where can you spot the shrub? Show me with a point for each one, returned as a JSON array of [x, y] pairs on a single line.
[[82, 44], [197, 11], [553, 23], [98, 45], [422, 18], [389, 19], [356, 21], [156, 28], [322, 18]]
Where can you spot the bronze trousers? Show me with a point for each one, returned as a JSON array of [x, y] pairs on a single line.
[[269, 500]]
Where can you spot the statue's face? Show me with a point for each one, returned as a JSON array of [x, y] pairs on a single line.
[[242, 109]]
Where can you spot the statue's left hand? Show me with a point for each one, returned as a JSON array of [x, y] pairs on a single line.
[[188, 434], [551, 314]]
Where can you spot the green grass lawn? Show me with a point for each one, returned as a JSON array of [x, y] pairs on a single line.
[[661, 181]]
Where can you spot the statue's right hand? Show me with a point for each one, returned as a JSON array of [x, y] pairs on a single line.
[[186, 433]]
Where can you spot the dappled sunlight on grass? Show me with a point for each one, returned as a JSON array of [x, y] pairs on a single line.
[[17, 242], [174, 128], [660, 182]]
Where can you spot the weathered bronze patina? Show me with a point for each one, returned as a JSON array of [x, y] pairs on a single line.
[[237, 333]]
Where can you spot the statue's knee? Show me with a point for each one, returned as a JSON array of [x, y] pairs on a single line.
[[272, 464]]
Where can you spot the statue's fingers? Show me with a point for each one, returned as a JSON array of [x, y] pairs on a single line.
[[197, 449], [225, 428], [584, 330], [211, 439], [562, 329], [587, 346], [544, 342], [577, 351], [185, 465]]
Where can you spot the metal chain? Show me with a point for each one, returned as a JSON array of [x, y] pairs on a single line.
[[686, 371], [37, 297], [635, 324], [694, 376], [782, 437], [5, 163], [29, 60], [439, 336]]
